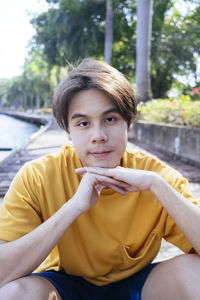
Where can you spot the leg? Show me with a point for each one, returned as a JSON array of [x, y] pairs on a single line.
[[30, 287], [174, 279]]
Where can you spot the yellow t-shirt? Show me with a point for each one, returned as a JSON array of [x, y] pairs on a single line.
[[119, 236]]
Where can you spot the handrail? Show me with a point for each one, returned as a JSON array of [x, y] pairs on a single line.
[[5, 149]]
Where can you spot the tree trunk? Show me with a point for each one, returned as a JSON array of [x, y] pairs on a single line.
[[31, 101], [46, 102], [37, 100], [25, 103], [143, 50], [1, 101], [109, 32]]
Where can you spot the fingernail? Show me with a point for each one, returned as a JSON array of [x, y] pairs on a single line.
[[79, 169]]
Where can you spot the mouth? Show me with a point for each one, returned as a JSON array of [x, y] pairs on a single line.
[[99, 154]]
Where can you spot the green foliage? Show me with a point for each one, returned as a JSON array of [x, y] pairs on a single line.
[[70, 30], [159, 48], [75, 29], [15, 91], [35, 87], [174, 51], [3, 91], [124, 50], [170, 111]]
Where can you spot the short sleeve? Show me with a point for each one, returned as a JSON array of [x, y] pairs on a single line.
[[20, 212], [172, 233]]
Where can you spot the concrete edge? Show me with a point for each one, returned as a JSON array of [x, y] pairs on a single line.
[[45, 123], [141, 133]]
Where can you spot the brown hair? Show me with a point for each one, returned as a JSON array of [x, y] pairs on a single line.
[[94, 74]]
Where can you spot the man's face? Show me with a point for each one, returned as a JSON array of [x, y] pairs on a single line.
[[97, 130]]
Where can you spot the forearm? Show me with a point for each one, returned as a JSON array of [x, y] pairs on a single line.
[[22, 256], [184, 213]]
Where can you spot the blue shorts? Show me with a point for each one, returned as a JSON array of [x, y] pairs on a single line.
[[72, 287]]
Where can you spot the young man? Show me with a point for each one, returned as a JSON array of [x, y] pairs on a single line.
[[97, 210]]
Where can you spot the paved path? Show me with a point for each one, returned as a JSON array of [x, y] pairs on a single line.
[[54, 137], [46, 143]]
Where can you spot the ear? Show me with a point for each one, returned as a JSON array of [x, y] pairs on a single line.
[[68, 134], [130, 127]]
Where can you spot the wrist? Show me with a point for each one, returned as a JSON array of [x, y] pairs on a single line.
[[157, 182], [74, 211]]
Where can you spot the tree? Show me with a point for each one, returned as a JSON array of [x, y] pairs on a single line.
[[3, 91], [143, 46], [109, 32], [36, 85], [175, 51], [14, 93], [71, 31], [76, 29]]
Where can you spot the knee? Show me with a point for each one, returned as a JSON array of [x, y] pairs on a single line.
[[176, 278], [187, 269], [12, 290]]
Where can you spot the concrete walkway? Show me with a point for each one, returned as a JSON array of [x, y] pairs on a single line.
[[46, 143], [54, 137]]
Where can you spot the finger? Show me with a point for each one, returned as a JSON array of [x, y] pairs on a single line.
[[134, 189], [99, 188], [96, 170], [117, 189], [80, 170], [104, 174], [104, 180]]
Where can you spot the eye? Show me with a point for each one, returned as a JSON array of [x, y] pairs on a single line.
[[83, 124], [110, 119]]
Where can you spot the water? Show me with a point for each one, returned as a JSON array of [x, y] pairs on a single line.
[[14, 133]]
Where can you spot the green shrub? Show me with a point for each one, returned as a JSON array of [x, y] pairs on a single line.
[[171, 111]]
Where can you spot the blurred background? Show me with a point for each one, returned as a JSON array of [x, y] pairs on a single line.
[[156, 44]]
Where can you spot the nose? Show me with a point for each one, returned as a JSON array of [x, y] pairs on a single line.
[[99, 135]]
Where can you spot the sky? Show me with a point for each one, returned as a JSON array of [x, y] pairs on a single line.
[[15, 33]]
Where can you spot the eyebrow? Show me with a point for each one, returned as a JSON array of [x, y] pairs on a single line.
[[108, 111]]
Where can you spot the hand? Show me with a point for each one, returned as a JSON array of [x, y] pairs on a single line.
[[90, 188], [136, 180], [52, 296]]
